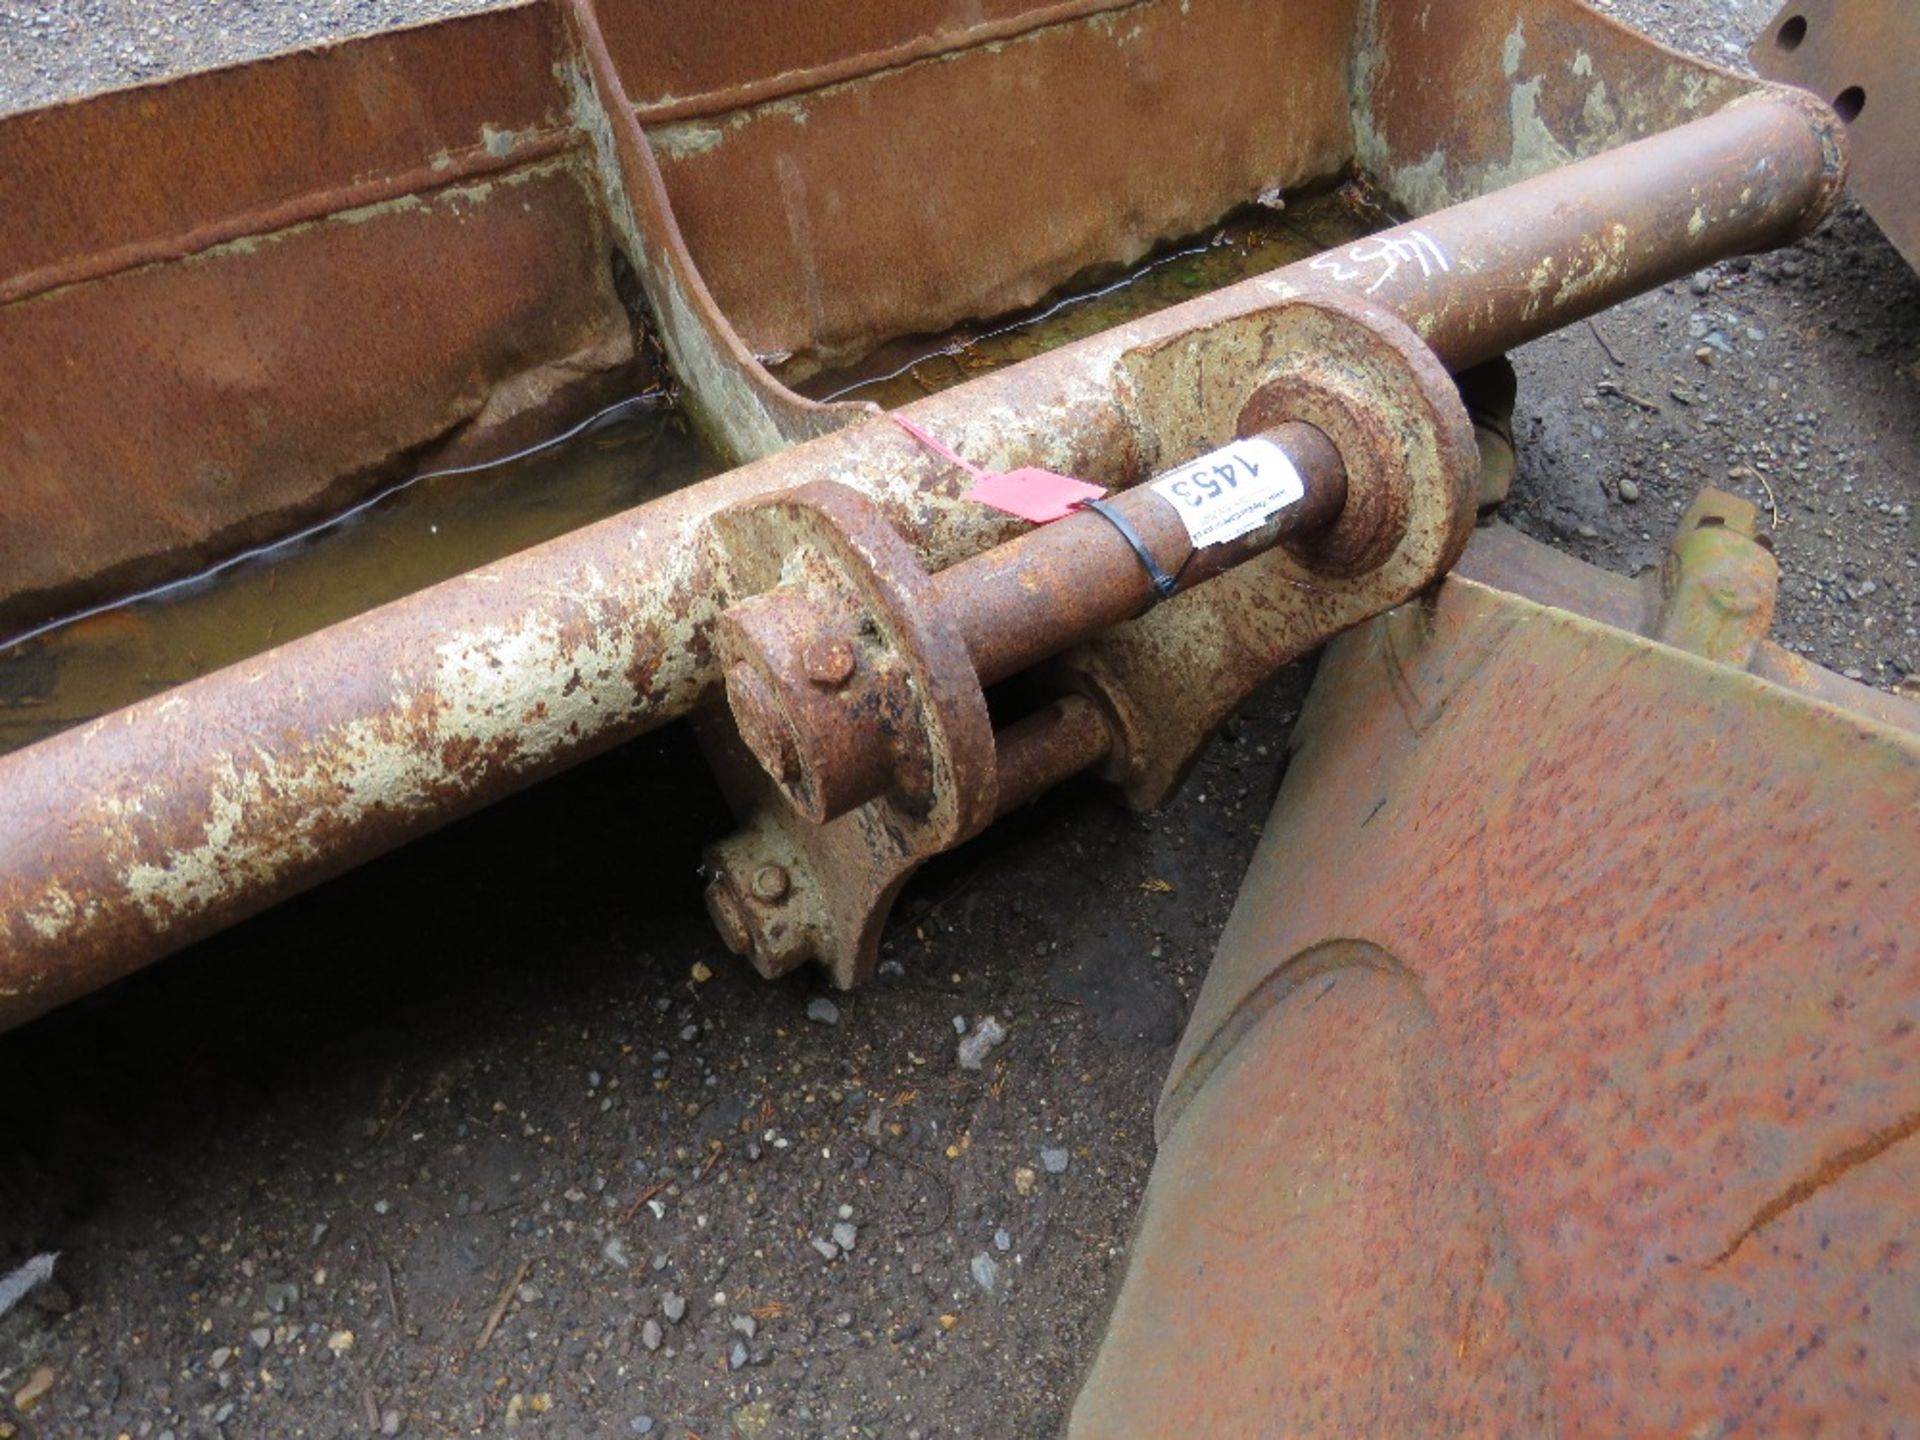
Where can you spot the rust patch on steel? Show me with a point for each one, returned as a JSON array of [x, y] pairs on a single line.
[[1503, 558], [134, 377], [731, 55], [785, 891], [1830, 1171], [1550, 82], [859, 744], [820, 569], [238, 310], [1572, 241], [1580, 980], [1413, 1321], [1025, 601], [968, 185], [158, 171], [1361, 378], [744, 412], [1044, 749], [367, 129], [828, 118]]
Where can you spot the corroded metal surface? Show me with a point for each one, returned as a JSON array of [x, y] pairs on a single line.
[[859, 746], [1859, 54], [784, 891], [1507, 89], [842, 655], [1576, 985], [1361, 378], [301, 136], [132, 836], [1502, 557], [1572, 241], [1059, 125], [1047, 748], [729, 54], [223, 286], [245, 298], [530, 327], [847, 680], [824, 116], [922, 194], [1023, 602], [743, 410], [226, 302]]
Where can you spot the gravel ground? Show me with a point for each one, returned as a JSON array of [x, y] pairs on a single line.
[[493, 1136], [55, 49], [1792, 379]]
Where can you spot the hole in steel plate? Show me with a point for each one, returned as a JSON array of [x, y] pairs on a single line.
[[1790, 34], [1850, 102]]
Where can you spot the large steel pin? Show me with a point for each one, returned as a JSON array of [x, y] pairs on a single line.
[[820, 702]]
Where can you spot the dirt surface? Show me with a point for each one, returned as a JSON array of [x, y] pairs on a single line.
[[363, 1114], [447, 1146]]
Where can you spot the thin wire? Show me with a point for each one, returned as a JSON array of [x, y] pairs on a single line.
[[960, 347], [648, 398]]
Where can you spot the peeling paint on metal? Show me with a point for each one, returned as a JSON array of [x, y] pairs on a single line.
[[1514, 49], [1658, 91], [728, 409]]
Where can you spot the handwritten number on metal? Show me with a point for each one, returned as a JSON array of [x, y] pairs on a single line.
[[1383, 257]]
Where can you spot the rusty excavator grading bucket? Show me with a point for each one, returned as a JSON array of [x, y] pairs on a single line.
[[392, 424], [1557, 1067]]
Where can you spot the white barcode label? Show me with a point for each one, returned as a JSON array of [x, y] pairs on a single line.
[[1232, 491]]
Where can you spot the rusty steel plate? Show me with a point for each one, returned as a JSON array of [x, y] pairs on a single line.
[[175, 413], [918, 165], [234, 301], [1560, 1067], [1504, 89], [926, 194], [1861, 56]]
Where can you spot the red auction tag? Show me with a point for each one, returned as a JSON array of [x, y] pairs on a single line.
[[1032, 494]]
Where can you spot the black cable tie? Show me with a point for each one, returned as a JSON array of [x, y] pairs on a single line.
[[1165, 586]]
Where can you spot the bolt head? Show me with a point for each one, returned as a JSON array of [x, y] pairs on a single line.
[[830, 661], [771, 884]]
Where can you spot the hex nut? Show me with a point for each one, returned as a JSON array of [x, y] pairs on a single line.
[[830, 661]]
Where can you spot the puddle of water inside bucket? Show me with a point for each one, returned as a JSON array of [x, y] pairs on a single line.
[[426, 533], [1248, 243], [442, 526]]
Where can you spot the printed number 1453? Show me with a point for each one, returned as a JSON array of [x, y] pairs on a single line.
[[1210, 482]]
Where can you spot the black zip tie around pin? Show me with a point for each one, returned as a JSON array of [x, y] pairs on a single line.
[[1165, 586]]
